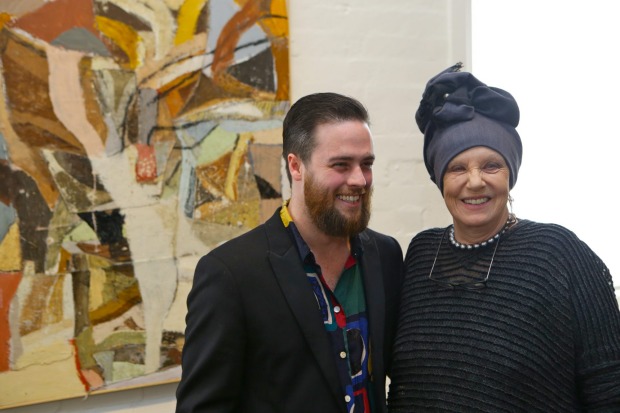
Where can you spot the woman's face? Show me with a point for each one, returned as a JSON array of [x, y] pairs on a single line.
[[476, 190]]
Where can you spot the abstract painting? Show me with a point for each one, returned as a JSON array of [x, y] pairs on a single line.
[[135, 136]]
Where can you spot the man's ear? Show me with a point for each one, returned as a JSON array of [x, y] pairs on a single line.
[[295, 166]]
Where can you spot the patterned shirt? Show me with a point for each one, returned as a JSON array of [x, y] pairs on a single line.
[[344, 317]]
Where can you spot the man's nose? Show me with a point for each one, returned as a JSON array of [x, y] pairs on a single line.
[[358, 177]]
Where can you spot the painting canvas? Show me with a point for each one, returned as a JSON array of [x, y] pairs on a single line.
[[135, 136]]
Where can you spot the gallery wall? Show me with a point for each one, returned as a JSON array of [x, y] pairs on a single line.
[[381, 53], [568, 47]]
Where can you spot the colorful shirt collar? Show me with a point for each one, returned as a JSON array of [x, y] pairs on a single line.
[[304, 251]]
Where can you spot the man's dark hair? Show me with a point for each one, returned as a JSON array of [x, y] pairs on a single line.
[[311, 111]]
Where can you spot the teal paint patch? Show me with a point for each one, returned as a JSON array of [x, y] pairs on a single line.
[[4, 152], [81, 40], [7, 218]]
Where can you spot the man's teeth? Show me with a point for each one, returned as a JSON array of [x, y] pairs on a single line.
[[349, 198], [476, 201]]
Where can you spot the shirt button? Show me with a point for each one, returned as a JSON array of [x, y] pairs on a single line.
[[343, 355], [347, 398], [336, 309]]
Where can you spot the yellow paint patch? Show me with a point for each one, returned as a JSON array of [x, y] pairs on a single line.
[[278, 25], [124, 36], [10, 250], [96, 290], [189, 13], [236, 161], [4, 19]]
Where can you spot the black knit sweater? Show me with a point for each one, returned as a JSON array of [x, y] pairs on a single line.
[[542, 336]]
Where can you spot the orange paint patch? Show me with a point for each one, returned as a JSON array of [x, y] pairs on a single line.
[[8, 286], [52, 19], [146, 165], [95, 381], [4, 19]]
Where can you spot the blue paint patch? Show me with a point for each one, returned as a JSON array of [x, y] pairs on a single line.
[[240, 126], [8, 215], [4, 152], [191, 135], [81, 40]]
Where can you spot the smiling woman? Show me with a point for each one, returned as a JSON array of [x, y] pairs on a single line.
[[533, 296], [475, 190], [555, 56]]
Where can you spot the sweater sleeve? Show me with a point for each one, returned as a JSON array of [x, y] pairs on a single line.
[[597, 326]]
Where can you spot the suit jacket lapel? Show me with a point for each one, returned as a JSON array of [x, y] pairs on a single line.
[[292, 279], [375, 301]]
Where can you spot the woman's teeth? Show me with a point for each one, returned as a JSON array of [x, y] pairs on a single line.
[[476, 201]]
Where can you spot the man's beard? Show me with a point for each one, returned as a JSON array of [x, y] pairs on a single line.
[[320, 203]]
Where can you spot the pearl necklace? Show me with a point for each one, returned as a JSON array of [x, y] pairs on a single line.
[[511, 220]]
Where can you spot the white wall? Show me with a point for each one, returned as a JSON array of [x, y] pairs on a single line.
[[559, 59], [381, 52]]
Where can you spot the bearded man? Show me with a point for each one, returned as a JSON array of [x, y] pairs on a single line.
[[298, 314]]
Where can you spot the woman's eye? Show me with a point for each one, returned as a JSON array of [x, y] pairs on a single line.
[[491, 167], [456, 168]]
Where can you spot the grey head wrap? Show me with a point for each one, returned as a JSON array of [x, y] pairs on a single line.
[[458, 112]]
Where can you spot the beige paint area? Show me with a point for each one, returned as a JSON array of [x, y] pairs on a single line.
[[144, 229], [48, 355], [46, 382]]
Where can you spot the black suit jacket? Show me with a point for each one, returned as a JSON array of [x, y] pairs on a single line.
[[255, 340]]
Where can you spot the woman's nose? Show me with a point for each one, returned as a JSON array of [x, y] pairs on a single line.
[[474, 178]]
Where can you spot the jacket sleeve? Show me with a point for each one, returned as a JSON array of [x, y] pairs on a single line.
[[213, 354]]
